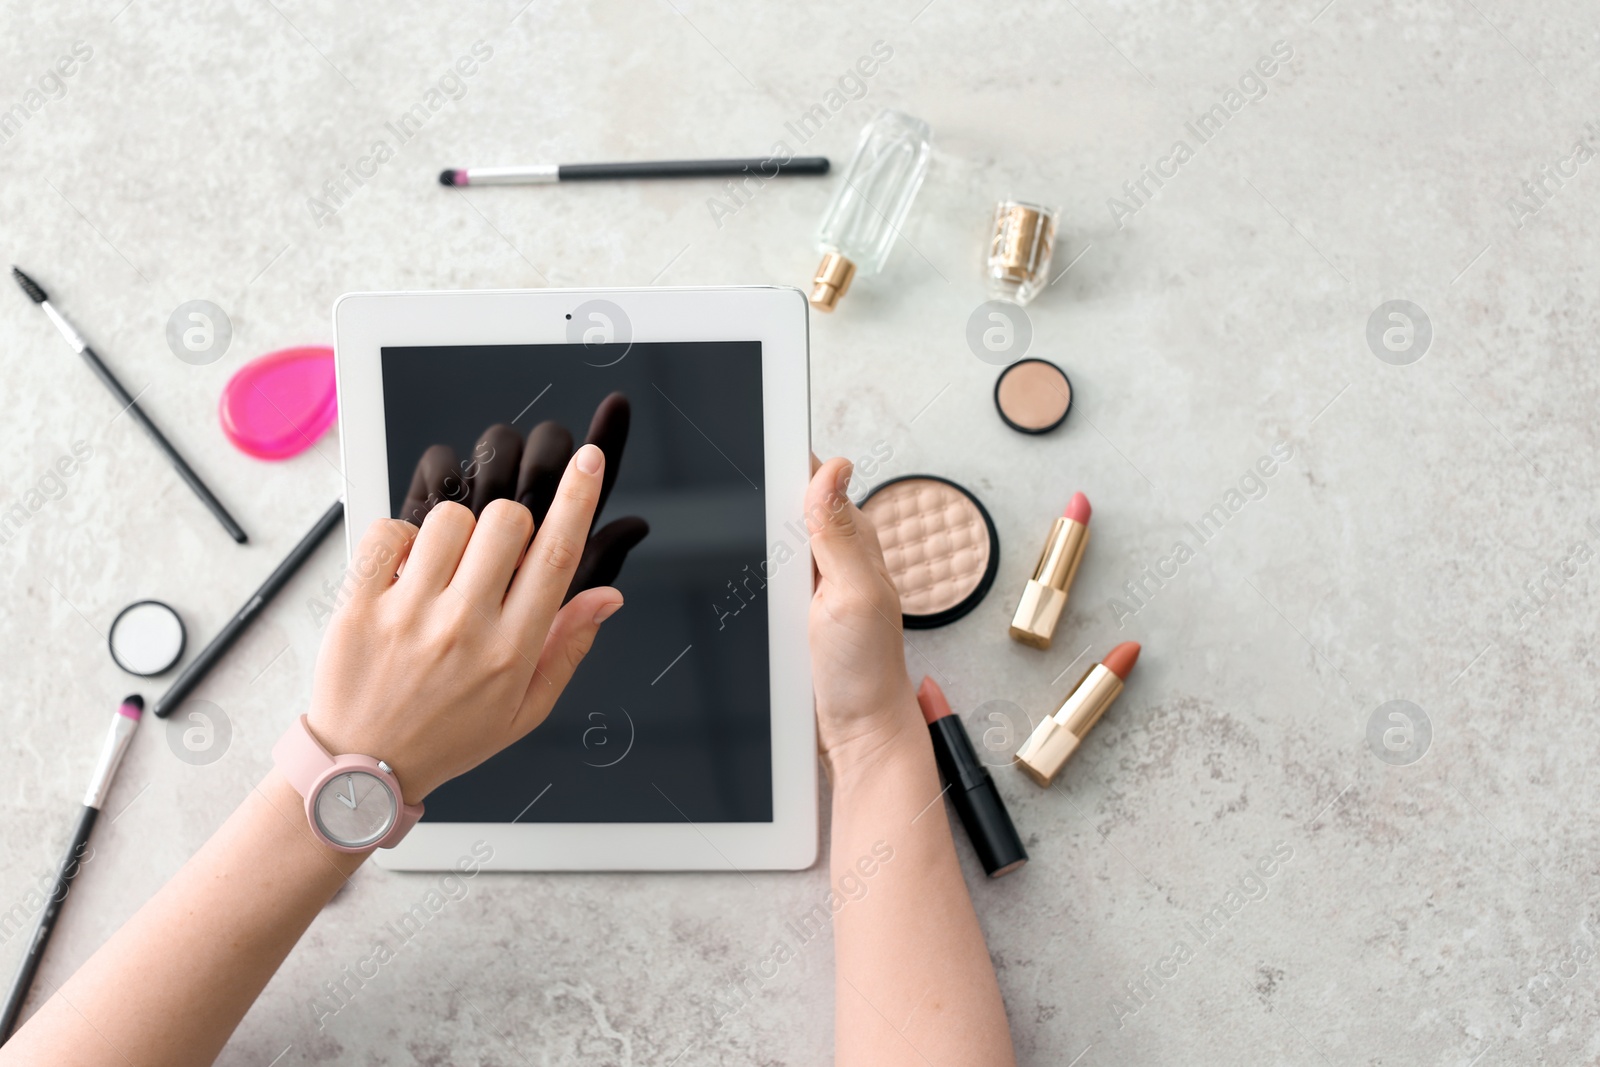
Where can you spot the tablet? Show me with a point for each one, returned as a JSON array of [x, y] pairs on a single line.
[[687, 740]]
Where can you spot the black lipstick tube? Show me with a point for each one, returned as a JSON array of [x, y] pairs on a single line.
[[976, 799]]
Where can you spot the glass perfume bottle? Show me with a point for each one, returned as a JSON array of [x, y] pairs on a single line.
[[1020, 246], [860, 226]]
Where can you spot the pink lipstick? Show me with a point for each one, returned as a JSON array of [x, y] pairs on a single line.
[[1045, 595], [1057, 738]]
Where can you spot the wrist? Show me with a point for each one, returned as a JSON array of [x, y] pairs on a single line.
[[897, 738], [290, 806], [341, 739], [352, 800]]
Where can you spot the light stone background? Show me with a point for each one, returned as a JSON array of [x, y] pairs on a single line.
[[1390, 557]]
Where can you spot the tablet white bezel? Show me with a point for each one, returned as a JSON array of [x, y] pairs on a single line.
[[364, 323]]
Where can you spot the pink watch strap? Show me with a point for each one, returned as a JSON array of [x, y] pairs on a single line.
[[306, 764], [404, 820], [300, 757]]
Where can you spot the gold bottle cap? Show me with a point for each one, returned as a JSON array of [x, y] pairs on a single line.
[[832, 281], [1020, 244], [1016, 240]]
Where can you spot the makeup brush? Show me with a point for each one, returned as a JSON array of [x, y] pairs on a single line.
[[201, 665], [543, 173], [123, 725], [36, 293]]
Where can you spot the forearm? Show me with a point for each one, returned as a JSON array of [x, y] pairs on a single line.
[[915, 982], [173, 983]]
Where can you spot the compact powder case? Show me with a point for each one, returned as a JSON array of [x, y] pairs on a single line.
[[940, 545], [146, 638], [1033, 396]]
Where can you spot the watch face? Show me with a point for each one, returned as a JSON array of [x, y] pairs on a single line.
[[355, 809]]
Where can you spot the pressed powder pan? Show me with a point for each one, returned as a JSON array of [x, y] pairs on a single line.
[[146, 638], [1033, 396], [940, 545]]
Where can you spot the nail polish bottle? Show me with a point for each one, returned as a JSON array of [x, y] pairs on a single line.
[[1020, 246], [860, 226]]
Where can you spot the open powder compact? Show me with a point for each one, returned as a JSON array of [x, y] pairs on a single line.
[[1033, 396], [146, 638], [940, 545]]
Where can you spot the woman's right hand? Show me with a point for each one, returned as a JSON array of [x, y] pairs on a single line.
[[467, 649], [865, 703]]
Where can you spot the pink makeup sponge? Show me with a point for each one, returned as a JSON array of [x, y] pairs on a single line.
[[277, 405]]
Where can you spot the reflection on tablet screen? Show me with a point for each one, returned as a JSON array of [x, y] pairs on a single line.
[[669, 717]]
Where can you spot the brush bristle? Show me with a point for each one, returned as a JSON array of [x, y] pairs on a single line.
[[447, 177], [132, 707], [32, 288]]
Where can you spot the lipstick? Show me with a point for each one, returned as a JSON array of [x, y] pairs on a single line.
[[1057, 738], [1045, 595], [972, 791]]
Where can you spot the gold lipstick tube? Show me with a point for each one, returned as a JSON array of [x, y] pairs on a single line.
[[1056, 739], [1045, 595]]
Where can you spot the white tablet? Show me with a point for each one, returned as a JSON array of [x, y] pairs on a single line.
[[687, 739]]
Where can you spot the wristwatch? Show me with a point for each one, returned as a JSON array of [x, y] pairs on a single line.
[[352, 802]]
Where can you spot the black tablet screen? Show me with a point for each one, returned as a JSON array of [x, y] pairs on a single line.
[[668, 719]]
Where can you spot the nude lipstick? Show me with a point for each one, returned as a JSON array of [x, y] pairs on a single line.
[[1047, 750], [972, 791], [1045, 595]]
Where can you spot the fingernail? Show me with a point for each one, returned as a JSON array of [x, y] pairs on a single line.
[[607, 610], [589, 459], [842, 485]]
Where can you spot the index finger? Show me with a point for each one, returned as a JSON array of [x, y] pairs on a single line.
[[541, 582], [544, 460]]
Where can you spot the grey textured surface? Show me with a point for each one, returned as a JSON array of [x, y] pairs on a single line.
[[1388, 558]]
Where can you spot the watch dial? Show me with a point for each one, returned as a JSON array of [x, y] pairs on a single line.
[[355, 809]]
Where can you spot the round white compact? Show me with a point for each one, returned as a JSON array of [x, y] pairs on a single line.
[[147, 638]]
